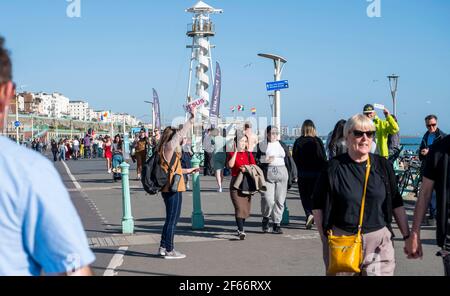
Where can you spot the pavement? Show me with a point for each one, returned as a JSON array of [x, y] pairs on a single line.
[[213, 251]]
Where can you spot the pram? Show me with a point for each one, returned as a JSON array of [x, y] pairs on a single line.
[[116, 169]]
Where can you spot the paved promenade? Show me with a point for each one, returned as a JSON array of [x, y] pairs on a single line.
[[214, 251]]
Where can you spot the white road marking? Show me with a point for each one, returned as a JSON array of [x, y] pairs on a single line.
[[116, 261], [74, 181]]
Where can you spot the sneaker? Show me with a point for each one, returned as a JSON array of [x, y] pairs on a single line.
[[220, 190], [277, 229], [174, 255], [265, 225], [109, 171], [309, 222], [139, 176], [241, 235], [162, 252]]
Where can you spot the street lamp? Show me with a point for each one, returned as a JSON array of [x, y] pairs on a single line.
[[153, 114], [279, 63], [393, 83]]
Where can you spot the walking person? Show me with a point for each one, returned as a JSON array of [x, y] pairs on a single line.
[[220, 157], [252, 138], [140, 152], [107, 150], [169, 150], [54, 147], [432, 136], [208, 147], [272, 157], [360, 185], [237, 161], [41, 232], [117, 157], [76, 148], [310, 158], [336, 144], [87, 146], [62, 150], [436, 177]]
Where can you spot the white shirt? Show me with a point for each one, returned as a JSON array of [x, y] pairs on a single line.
[[76, 143], [276, 150]]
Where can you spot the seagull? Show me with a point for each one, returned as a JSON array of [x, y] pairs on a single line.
[[248, 65]]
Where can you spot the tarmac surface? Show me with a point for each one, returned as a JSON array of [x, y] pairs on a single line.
[[213, 251]]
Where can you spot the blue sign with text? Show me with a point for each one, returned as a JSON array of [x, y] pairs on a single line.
[[17, 123], [277, 85]]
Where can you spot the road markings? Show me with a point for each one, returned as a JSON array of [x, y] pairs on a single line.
[[116, 261], [74, 181]]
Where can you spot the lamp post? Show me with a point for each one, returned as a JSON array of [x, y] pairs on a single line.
[[393, 83], [279, 63], [153, 115]]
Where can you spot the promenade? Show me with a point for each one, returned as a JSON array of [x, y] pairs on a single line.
[[214, 251]]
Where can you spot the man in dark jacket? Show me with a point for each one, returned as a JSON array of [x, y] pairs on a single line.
[[436, 176], [432, 136]]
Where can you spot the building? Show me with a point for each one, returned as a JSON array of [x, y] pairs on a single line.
[[297, 131], [79, 110], [284, 131], [129, 120]]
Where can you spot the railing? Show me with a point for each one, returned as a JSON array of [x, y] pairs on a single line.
[[197, 27]]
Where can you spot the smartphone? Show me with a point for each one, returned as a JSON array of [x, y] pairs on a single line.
[[175, 182]]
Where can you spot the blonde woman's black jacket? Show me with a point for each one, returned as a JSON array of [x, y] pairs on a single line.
[[326, 180]]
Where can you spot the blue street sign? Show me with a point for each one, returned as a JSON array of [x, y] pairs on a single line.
[[277, 85], [17, 123]]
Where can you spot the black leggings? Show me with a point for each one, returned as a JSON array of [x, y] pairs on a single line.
[[240, 223]]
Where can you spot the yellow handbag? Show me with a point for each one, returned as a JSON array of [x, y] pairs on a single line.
[[346, 252]]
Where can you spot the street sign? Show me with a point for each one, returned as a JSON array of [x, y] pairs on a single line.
[[277, 85], [17, 123]]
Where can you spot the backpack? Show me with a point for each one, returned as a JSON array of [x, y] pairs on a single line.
[[153, 176]]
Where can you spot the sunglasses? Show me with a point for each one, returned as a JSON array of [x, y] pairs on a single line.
[[432, 125], [360, 134]]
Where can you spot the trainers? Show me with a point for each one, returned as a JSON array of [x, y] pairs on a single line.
[[241, 235], [162, 251], [309, 222], [109, 171], [277, 229], [220, 190], [265, 225], [174, 255]]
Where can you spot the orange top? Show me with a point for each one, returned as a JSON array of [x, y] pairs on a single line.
[[176, 169]]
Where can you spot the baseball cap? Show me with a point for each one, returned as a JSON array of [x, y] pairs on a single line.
[[368, 108]]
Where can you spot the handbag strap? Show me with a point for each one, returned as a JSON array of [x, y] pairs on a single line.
[[363, 203]]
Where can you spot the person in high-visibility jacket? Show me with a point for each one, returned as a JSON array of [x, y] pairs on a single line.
[[384, 128]]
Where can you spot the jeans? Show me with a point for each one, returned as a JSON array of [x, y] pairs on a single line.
[[55, 153], [87, 152], [117, 160], [62, 155], [173, 201]]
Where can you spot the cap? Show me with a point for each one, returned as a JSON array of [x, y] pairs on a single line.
[[368, 109]]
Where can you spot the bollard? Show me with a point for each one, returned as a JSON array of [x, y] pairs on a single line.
[[285, 220], [198, 221], [127, 219]]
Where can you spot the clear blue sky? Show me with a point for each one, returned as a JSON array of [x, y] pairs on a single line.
[[338, 57]]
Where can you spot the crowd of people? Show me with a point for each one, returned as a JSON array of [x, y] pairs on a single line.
[[349, 191]]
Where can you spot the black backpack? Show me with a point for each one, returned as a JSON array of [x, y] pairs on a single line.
[[153, 176]]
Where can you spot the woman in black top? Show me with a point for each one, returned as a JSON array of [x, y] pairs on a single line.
[[338, 197], [310, 157]]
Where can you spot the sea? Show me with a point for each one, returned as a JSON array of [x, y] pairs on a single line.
[[409, 143]]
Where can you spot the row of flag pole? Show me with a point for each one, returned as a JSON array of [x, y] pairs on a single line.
[[241, 108]]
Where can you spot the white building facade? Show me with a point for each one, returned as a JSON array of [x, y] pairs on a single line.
[[79, 110]]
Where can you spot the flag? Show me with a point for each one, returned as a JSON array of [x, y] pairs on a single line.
[[157, 110], [215, 103], [241, 108], [233, 109], [253, 111]]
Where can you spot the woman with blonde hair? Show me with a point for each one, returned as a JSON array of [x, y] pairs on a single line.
[[358, 186], [310, 157]]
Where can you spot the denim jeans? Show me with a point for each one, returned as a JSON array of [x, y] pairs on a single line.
[[173, 201], [62, 155]]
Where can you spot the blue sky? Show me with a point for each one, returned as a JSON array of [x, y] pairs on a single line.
[[338, 57]]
